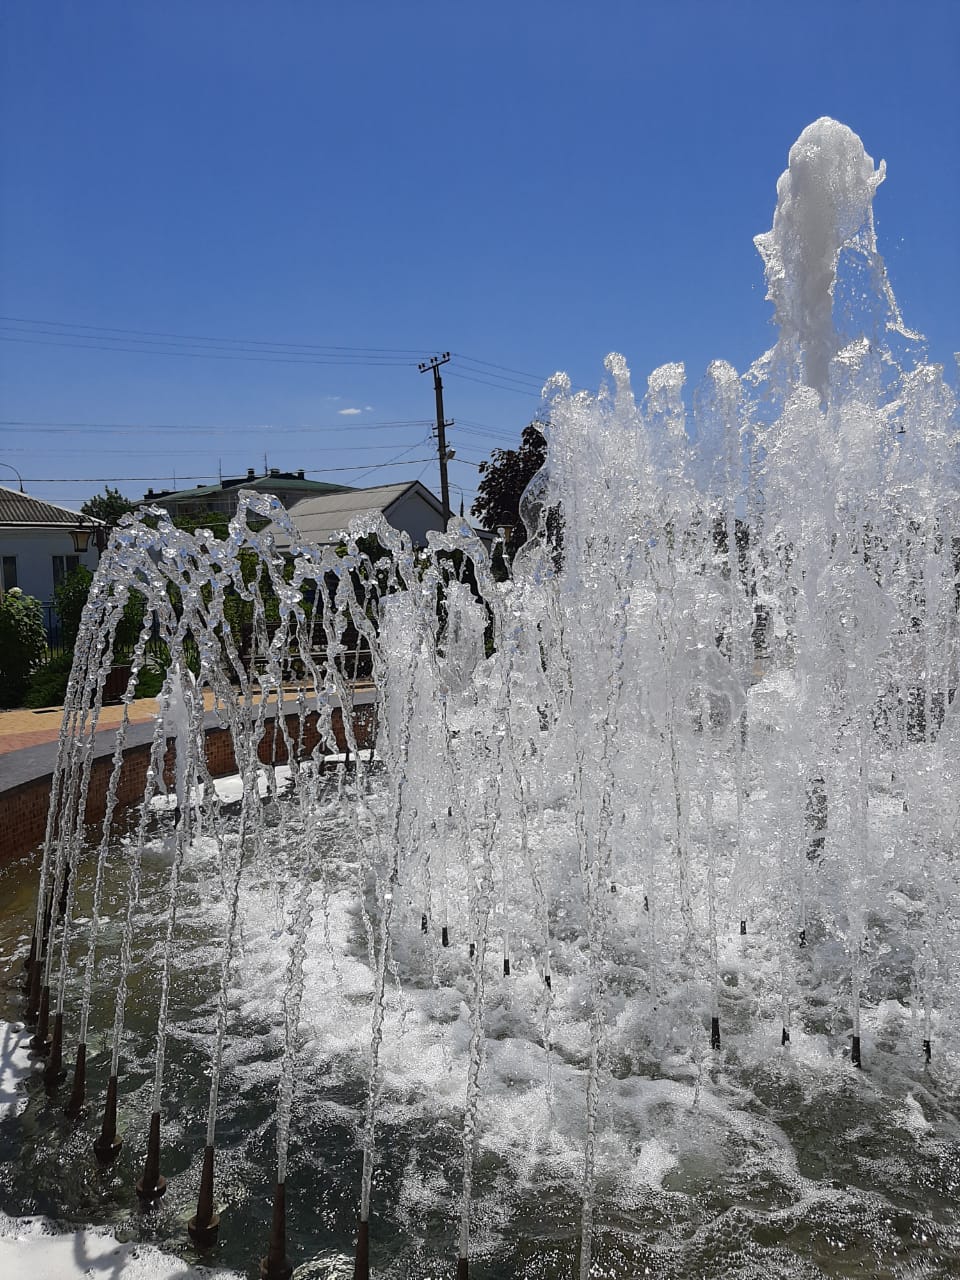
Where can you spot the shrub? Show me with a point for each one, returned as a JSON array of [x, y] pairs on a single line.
[[71, 595], [23, 643], [150, 680], [47, 686]]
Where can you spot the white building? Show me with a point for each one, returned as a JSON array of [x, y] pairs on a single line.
[[40, 543], [324, 519]]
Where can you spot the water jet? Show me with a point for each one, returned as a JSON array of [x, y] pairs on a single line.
[[725, 656]]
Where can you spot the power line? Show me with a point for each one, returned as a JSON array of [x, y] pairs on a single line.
[[377, 466], [44, 332], [490, 365], [396, 458], [155, 453], [9, 424], [108, 343], [193, 337], [499, 386], [210, 355], [503, 379], [484, 433]]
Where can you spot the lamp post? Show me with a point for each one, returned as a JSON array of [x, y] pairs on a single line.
[[15, 472]]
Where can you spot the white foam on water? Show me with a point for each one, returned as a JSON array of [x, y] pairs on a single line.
[[35, 1249], [15, 1066]]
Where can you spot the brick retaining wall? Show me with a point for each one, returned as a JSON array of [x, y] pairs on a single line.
[[24, 807]]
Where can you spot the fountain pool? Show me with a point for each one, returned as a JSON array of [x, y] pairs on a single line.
[[630, 945]]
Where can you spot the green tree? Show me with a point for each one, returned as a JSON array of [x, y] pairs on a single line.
[[23, 643], [503, 478], [108, 506]]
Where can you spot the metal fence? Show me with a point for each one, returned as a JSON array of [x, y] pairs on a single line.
[[56, 644]]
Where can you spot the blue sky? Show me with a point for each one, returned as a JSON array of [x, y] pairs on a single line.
[[529, 185]]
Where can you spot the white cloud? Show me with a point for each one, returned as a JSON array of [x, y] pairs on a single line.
[[345, 413]]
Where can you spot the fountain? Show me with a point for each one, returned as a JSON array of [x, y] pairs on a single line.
[[627, 940]]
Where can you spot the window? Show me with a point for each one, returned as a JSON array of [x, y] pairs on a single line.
[[8, 572], [62, 566]]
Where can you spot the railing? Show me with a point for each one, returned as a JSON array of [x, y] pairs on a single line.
[[56, 644], [355, 662]]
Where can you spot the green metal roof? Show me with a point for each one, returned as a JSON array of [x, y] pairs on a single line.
[[260, 484]]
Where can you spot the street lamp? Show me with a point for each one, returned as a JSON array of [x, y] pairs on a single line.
[[15, 472], [81, 540], [86, 530]]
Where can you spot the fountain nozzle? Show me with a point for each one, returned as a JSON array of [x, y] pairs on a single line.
[[276, 1265], [152, 1185], [107, 1146], [361, 1265], [204, 1227], [75, 1102]]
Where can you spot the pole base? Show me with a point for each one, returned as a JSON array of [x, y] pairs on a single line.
[[714, 1033], [281, 1270], [75, 1102], [204, 1236], [926, 1050], [361, 1265], [204, 1227], [276, 1265], [108, 1144], [784, 1036], [53, 1077], [107, 1149], [53, 1072], [463, 1269], [152, 1184], [41, 1040], [151, 1194], [855, 1052]]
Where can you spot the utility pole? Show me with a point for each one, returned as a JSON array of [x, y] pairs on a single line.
[[434, 363]]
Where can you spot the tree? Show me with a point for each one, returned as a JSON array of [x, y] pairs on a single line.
[[108, 506], [503, 479]]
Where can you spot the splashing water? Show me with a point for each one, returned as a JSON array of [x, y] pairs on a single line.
[[658, 843]]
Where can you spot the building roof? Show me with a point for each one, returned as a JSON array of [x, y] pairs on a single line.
[[276, 482], [323, 520], [20, 511]]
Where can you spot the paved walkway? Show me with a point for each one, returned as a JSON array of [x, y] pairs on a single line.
[[19, 729]]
